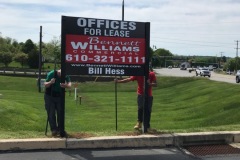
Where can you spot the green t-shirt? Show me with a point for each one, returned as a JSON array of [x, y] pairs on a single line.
[[56, 86]]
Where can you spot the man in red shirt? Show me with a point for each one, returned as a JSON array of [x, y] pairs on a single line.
[[152, 82]]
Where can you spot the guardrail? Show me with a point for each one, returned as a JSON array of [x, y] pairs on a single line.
[[23, 73]]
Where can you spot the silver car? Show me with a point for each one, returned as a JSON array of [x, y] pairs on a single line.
[[238, 76], [203, 72]]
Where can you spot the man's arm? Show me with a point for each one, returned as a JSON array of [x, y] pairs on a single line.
[[123, 80], [153, 80], [49, 80], [153, 84], [48, 84], [67, 84]]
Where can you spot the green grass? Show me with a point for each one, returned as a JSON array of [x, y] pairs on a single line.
[[180, 105]]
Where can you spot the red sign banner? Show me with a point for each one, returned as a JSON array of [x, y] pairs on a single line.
[[104, 50]]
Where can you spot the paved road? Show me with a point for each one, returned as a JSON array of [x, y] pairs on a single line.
[[101, 154], [222, 157], [111, 154], [185, 73]]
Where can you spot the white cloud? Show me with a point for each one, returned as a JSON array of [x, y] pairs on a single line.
[[189, 27]]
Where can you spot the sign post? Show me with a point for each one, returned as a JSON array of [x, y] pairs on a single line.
[[146, 111]]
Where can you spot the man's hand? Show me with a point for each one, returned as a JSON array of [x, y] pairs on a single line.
[[52, 81], [64, 85]]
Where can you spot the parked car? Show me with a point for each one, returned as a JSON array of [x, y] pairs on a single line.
[[210, 67], [238, 76], [183, 67], [229, 72]]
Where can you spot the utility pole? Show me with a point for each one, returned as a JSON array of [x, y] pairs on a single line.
[[221, 54], [237, 48], [236, 56], [220, 61]]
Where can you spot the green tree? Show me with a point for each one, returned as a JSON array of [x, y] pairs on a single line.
[[29, 46], [52, 50], [21, 58], [33, 59], [224, 59], [15, 47], [156, 61], [232, 64], [237, 60], [6, 58], [4, 46], [31, 50], [161, 57], [9, 45]]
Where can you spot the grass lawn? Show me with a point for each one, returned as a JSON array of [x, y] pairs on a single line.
[[180, 105]]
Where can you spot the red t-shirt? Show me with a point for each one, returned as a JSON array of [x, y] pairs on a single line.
[[140, 81]]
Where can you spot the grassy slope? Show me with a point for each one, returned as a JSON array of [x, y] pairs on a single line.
[[198, 104], [180, 105]]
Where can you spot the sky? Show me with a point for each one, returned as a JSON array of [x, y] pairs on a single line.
[[184, 27]]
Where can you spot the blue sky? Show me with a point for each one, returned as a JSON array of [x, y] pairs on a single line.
[[184, 27]]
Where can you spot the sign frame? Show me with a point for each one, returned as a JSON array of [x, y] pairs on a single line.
[[103, 47], [141, 34]]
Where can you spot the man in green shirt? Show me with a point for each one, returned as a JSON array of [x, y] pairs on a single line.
[[52, 97]]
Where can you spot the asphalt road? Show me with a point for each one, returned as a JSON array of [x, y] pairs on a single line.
[[101, 154], [185, 73], [111, 154]]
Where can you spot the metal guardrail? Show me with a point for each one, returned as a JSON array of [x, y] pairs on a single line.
[[21, 72]]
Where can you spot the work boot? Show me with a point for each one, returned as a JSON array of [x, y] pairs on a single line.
[[138, 125], [150, 130], [54, 133]]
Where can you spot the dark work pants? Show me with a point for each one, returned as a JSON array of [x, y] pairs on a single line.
[[53, 108], [148, 111]]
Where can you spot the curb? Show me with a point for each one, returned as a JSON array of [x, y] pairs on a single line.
[[201, 138], [32, 144], [121, 141], [164, 140]]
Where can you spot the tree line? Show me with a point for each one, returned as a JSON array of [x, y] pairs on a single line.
[[27, 54], [163, 58]]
